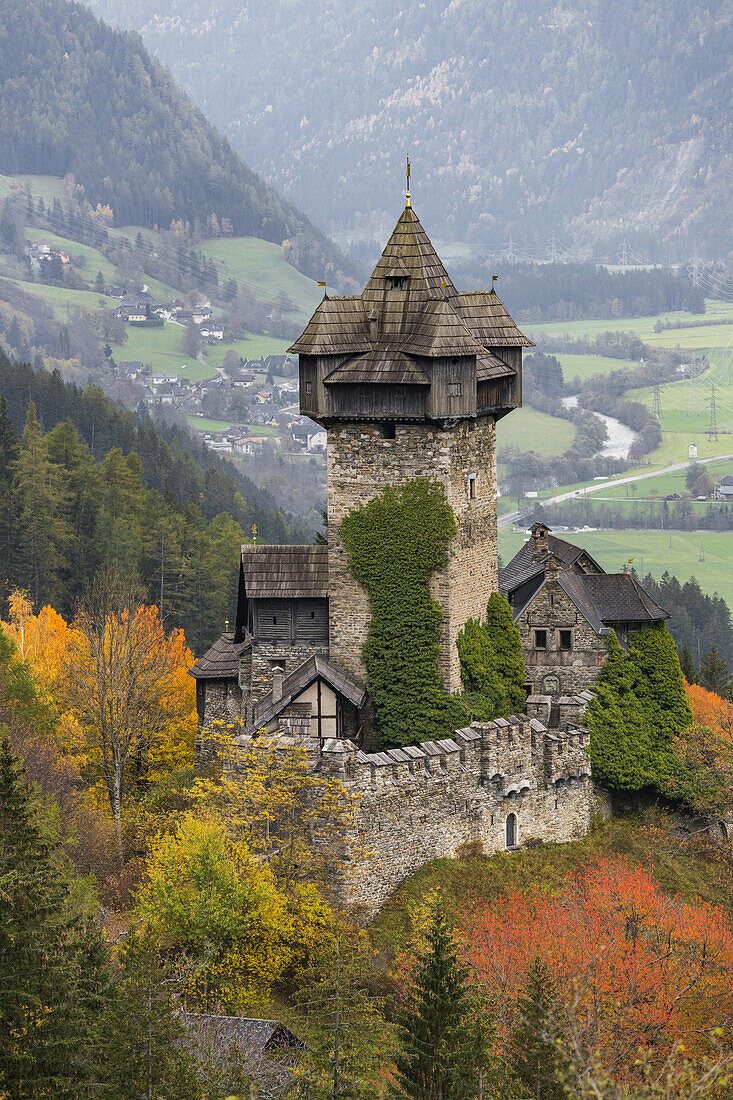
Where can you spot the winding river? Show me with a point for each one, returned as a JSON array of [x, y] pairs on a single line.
[[620, 436]]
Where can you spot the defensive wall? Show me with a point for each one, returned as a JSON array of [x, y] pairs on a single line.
[[501, 785]]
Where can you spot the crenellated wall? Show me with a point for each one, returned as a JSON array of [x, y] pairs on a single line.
[[427, 801]]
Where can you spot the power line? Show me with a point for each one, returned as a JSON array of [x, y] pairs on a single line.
[[713, 425], [657, 403]]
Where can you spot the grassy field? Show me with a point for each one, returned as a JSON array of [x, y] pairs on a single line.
[[205, 424], [584, 366], [252, 347], [652, 553], [535, 431], [162, 349], [261, 265], [692, 339], [94, 260], [63, 301], [658, 487]]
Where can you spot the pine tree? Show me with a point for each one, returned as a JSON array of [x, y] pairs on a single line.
[[687, 664], [536, 1065], [145, 1055], [99, 283], [714, 674], [52, 973], [442, 1042]]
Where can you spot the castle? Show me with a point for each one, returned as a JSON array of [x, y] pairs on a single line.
[[409, 380]]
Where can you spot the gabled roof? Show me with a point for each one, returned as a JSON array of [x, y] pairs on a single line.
[[221, 661], [522, 567], [489, 365], [285, 572], [251, 1036], [339, 326], [618, 597], [314, 668]]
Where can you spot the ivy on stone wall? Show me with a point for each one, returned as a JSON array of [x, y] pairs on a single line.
[[492, 664], [639, 707], [394, 545]]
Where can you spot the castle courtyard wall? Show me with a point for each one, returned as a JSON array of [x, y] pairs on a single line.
[[429, 801]]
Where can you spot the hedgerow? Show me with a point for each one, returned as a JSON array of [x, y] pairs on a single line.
[[639, 708]]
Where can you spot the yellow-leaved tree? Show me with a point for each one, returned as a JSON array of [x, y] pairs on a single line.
[[235, 936], [125, 681]]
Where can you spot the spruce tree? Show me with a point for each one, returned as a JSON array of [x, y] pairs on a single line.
[[146, 1054], [52, 974], [442, 1042], [536, 1065], [714, 674], [687, 664]]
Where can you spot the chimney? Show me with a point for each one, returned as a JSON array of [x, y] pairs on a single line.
[[374, 326], [277, 683], [540, 542]]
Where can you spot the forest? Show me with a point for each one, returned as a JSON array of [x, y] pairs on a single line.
[[79, 97], [86, 485], [141, 890]]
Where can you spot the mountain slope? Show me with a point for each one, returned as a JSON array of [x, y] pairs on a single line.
[[527, 117], [78, 97]]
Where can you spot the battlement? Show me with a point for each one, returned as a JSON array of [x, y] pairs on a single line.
[[499, 784]]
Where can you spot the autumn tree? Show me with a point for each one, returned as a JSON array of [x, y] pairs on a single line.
[[636, 966], [215, 904], [123, 678], [702, 775]]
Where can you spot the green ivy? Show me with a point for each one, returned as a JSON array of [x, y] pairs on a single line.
[[639, 708], [394, 545]]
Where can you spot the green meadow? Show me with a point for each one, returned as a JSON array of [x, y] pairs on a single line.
[[530, 430]]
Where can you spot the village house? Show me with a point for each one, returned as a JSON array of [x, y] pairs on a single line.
[[565, 606], [724, 488]]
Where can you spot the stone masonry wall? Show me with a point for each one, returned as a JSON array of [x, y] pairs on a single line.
[[552, 671], [361, 464], [427, 801]]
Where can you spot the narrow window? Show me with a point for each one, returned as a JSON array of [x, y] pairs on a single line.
[[552, 601], [274, 620], [308, 389], [388, 430], [511, 830], [472, 487], [540, 639], [455, 389], [313, 614], [566, 639]]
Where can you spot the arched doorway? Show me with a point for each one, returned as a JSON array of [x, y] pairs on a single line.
[[511, 830]]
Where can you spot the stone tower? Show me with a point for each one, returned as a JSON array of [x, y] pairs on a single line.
[[409, 379]]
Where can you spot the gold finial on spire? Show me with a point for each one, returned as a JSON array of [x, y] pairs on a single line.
[[254, 536], [408, 204], [226, 626]]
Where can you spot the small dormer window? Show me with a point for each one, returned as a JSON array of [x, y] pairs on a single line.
[[397, 282]]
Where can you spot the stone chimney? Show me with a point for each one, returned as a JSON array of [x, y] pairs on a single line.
[[277, 683], [540, 541]]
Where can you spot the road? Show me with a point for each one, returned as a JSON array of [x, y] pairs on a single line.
[[511, 517]]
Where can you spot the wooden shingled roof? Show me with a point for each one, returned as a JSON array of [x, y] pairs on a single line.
[[428, 317], [285, 572], [221, 662], [380, 365]]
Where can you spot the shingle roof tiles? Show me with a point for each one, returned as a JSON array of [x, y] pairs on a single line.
[[285, 572]]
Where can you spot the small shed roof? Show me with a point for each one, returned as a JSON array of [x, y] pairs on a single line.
[[251, 1036], [316, 667], [221, 661], [285, 572]]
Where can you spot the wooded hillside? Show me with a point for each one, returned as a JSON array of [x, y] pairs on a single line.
[[78, 97], [584, 119]]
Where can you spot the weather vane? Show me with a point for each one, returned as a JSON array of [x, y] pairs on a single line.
[[407, 195]]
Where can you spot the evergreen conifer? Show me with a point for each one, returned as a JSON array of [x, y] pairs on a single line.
[[442, 1042], [714, 674], [145, 1054], [687, 664], [52, 973], [536, 1065]]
